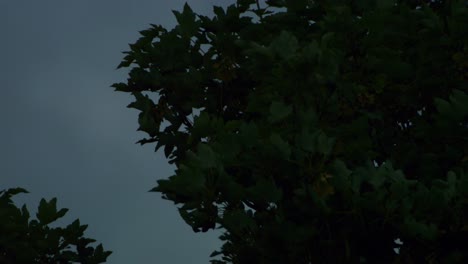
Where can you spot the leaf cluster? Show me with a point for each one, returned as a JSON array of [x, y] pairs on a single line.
[[26, 241]]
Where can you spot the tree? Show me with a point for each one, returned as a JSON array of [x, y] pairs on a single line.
[[25, 241], [326, 131]]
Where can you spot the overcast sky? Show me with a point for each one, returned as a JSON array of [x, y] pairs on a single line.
[[66, 133]]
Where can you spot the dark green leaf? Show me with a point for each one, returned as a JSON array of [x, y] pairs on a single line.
[[47, 211], [282, 146], [187, 24], [285, 45], [279, 111]]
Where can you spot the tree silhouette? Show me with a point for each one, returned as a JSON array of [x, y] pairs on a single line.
[[326, 131], [25, 241]]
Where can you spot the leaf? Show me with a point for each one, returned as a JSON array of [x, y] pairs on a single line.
[[265, 191], [297, 5], [243, 5], [326, 40], [99, 255], [285, 45], [442, 105], [276, 3], [279, 111], [75, 228], [453, 111], [232, 13], [61, 213], [215, 253], [260, 12], [248, 133], [377, 177], [12, 191], [47, 211], [311, 51], [219, 11], [237, 220], [282, 146], [324, 144], [423, 230], [142, 102], [147, 124], [385, 4], [315, 142], [187, 25], [168, 148], [201, 125], [127, 61], [257, 49], [308, 118], [451, 185], [307, 141], [145, 119], [206, 156], [322, 187], [451, 178], [121, 87], [25, 212], [340, 175]]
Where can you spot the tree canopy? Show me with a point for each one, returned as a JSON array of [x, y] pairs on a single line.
[[25, 241], [326, 131]]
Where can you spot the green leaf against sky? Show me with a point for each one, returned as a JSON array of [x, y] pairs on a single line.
[[25, 241], [75, 229], [14, 191], [147, 123], [188, 26], [47, 211], [218, 11], [142, 102]]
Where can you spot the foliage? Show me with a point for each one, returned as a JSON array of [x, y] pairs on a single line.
[[326, 131], [25, 241]]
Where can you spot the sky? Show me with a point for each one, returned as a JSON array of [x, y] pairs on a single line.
[[66, 133]]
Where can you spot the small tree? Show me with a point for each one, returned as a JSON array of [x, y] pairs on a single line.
[[326, 131], [25, 241]]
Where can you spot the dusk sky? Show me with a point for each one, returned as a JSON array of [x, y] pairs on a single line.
[[66, 133]]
